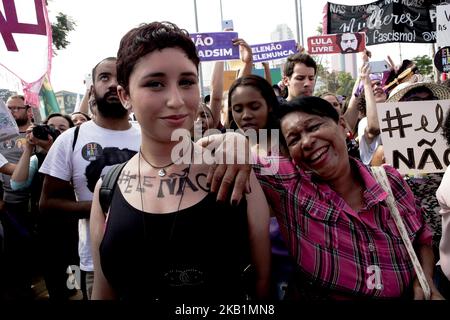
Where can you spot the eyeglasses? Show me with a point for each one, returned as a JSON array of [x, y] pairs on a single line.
[[16, 108]]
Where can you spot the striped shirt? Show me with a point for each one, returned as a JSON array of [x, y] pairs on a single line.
[[343, 252]]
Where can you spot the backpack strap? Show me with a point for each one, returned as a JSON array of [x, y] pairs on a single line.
[[108, 186], [75, 137]]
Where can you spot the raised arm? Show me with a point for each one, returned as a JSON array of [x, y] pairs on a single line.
[[267, 73], [216, 92], [246, 57], [23, 173], [101, 290], [351, 114], [84, 105], [25, 170], [373, 128]]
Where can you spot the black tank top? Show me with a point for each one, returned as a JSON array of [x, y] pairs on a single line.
[[203, 261]]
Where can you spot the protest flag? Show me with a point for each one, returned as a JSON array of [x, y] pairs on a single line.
[[26, 44], [48, 98]]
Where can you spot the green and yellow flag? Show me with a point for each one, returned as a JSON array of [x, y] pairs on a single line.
[[48, 99]]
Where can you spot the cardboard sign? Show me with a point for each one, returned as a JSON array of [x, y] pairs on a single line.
[[384, 21], [443, 25], [273, 50], [411, 135], [216, 46], [228, 78], [442, 59], [337, 43]]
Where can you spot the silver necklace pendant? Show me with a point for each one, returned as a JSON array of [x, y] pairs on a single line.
[[162, 172]]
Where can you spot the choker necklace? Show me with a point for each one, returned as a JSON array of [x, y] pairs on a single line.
[[161, 170], [187, 172]]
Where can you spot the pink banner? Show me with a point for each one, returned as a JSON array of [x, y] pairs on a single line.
[[26, 50]]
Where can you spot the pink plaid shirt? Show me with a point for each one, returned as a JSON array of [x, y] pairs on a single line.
[[342, 251]]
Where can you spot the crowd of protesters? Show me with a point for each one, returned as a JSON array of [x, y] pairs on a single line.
[[108, 190]]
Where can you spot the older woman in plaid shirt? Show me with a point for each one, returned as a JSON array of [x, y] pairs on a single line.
[[333, 215]]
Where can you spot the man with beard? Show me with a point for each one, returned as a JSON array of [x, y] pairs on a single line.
[[348, 42], [107, 140], [16, 218]]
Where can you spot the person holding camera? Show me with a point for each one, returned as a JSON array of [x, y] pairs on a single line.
[[53, 233], [39, 137], [15, 271]]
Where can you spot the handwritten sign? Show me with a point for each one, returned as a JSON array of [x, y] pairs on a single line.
[[411, 135], [25, 42], [273, 50], [216, 46], [337, 43], [443, 25], [384, 21]]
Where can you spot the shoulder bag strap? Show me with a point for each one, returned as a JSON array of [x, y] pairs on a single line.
[[381, 177]]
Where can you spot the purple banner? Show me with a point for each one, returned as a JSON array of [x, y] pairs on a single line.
[[273, 50], [216, 46]]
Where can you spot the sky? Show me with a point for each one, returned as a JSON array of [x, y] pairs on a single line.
[[100, 24]]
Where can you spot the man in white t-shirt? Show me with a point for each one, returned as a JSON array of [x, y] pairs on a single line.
[[101, 143]]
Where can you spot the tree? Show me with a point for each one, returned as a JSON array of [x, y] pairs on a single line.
[[340, 83], [345, 82], [424, 64], [60, 30]]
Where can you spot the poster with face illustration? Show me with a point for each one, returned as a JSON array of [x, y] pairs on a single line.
[[337, 43]]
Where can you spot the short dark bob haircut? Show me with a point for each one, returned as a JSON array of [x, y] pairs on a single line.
[[147, 38], [310, 105]]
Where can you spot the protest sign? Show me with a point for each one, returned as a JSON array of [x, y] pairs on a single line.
[[26, 43], [216, 46], [228, 78], [443, 25], [411, 135], [273, 50], [337, 43], [384, 21], [8, 125]]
